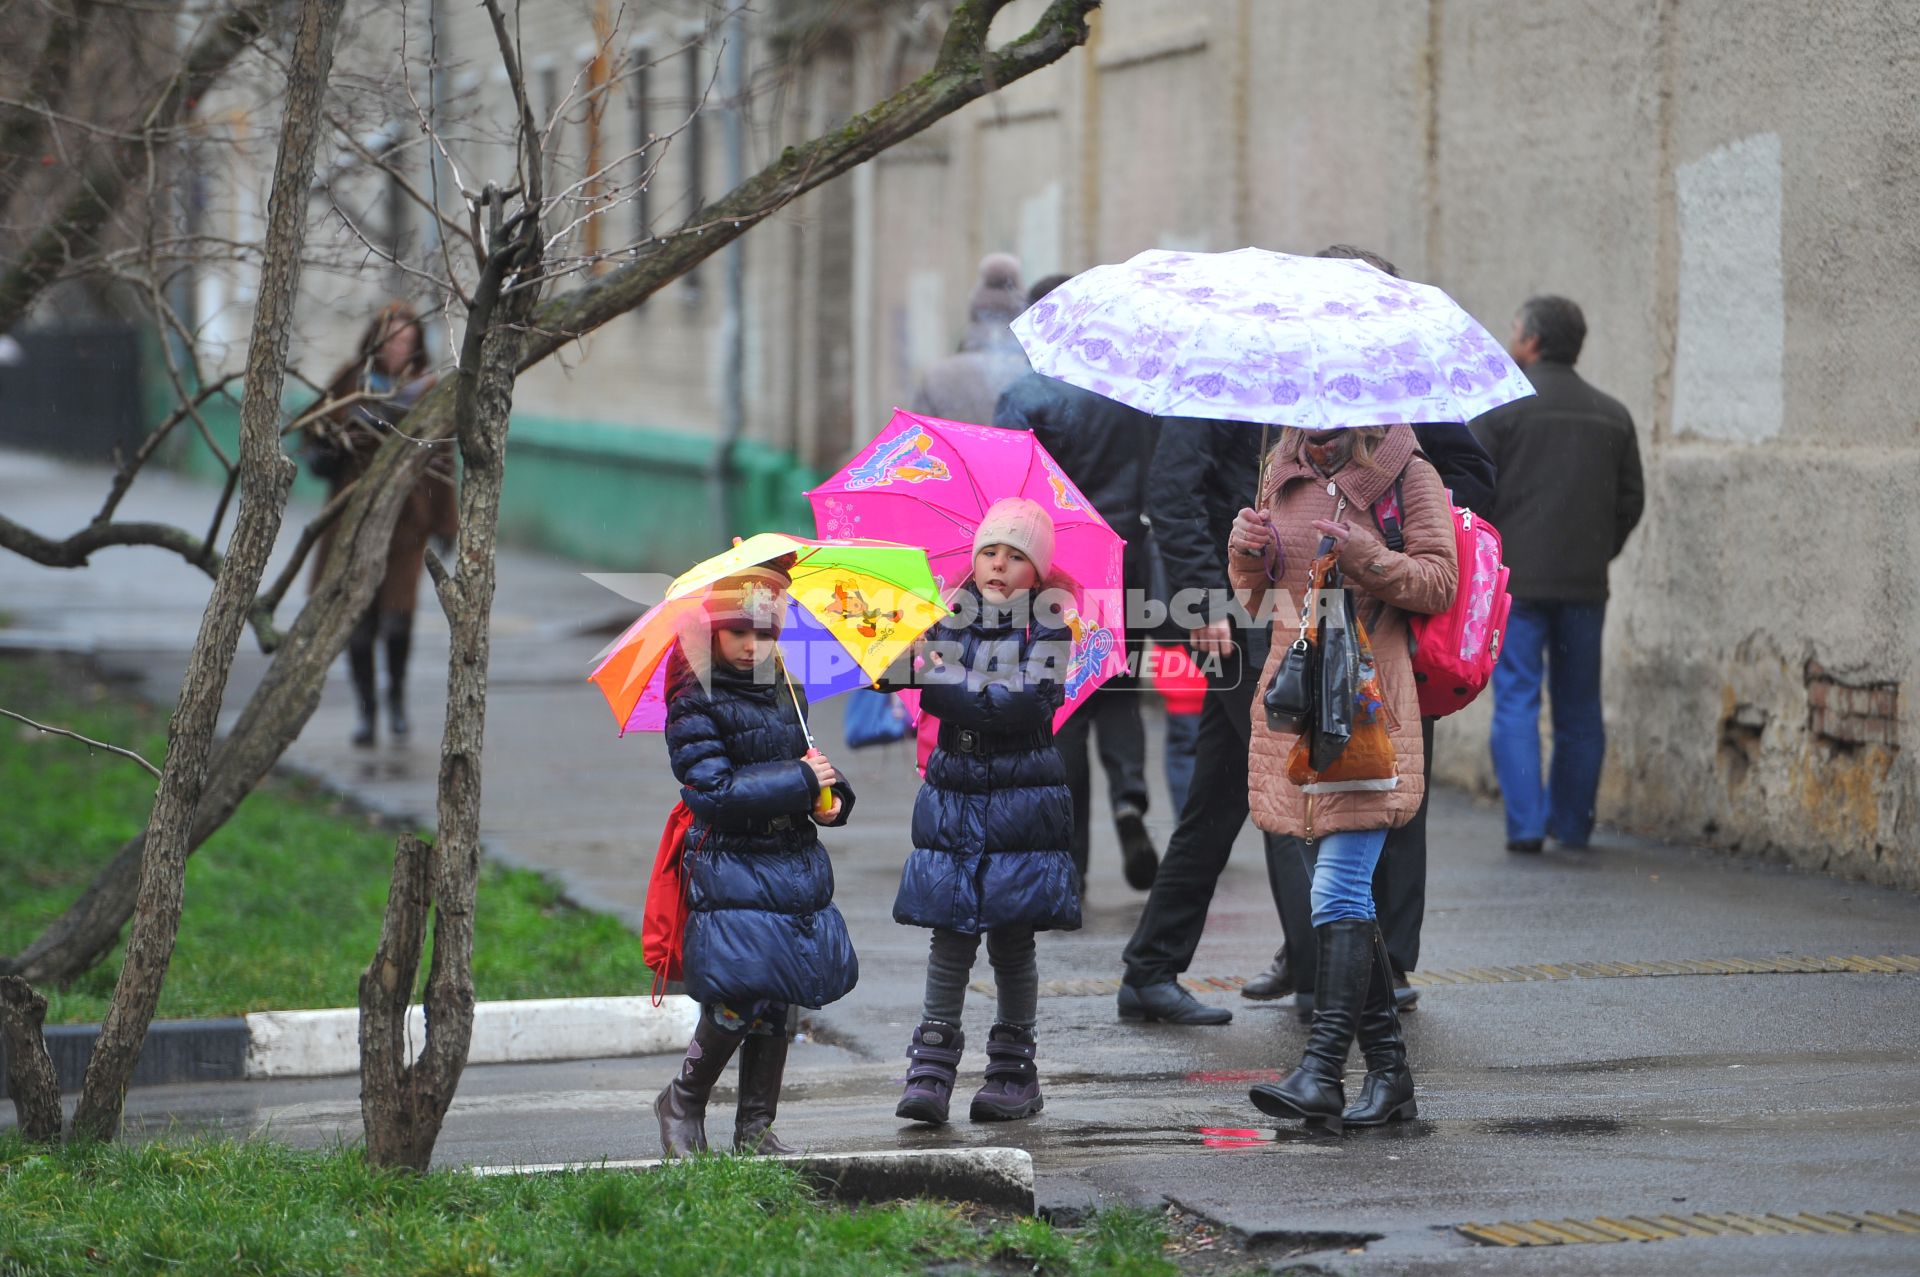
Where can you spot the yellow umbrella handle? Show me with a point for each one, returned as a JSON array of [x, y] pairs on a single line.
[[825, 802]]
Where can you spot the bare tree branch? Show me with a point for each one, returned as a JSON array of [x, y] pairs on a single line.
[[964, 72], [397, 176], [27, 121], [84, 740], [74, 228], [75, 550], [124, 477], [269, 601], [529, 131]]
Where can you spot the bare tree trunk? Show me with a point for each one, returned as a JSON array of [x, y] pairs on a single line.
[[31, 1080], [268, 476], [403, 1105], [290, 691], [386, 990]]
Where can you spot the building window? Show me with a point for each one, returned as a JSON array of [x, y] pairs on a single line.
[[645, 156], [696, 151], [694, 139], [395, 199]]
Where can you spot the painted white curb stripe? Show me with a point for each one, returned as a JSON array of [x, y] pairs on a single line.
[[327, 1043]]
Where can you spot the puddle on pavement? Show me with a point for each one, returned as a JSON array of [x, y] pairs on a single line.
[[392, 767], [1223, 1077], [1094, 1137], [1552, 1126]]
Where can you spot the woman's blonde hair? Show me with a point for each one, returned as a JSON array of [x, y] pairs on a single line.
[[1293, 442], [1366, 440]]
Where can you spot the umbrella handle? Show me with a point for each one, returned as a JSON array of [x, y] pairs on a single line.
[[824, 803]]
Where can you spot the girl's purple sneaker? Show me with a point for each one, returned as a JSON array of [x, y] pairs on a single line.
[[1013, 1083], [935, 1052]]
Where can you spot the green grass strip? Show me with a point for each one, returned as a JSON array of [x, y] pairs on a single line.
[[214, 1207], [283, 905]]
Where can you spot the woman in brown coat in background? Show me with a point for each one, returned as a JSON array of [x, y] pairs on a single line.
[[386, 377], [1327, 485]]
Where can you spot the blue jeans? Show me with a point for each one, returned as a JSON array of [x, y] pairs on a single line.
[[1564, 638], [1343, 868]]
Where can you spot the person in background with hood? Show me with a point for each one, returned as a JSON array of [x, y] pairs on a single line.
[[1104, 447], [967, 385]]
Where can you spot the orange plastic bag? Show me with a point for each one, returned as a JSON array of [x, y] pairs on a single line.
[[1350, 700]]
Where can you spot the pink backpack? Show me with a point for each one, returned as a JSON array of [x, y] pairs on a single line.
[[1455, 651]]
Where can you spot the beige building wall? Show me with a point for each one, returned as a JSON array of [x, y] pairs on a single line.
[[1724, 187]]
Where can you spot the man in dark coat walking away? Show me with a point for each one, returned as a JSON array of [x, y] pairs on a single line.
[[1570, 494], [1202, 474], [1104, 446]]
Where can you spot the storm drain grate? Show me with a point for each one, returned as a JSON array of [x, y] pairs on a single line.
[[1884, 964], [1666, 1228]]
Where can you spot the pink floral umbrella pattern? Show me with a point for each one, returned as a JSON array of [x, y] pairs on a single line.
[[1269, 338], [928, 482]]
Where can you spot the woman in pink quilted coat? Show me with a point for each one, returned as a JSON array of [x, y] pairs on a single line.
[[1326, 485]]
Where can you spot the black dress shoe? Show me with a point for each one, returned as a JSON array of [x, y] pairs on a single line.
[[1169, 1003], [1140, 860], [1275, 982], [1526, 846], [1405, 996]]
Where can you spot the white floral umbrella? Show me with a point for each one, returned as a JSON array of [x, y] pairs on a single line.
[[1269, 338]]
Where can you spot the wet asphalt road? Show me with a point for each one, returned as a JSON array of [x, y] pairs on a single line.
[[1546, 1099]]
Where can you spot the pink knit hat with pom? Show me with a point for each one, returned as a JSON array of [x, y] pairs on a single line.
[[1022, 524]]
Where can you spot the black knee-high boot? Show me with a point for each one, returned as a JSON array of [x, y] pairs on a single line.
[[682, 1107], [397, 627], [763, 1066], [360, 665], [1313, 1092], [1387, 1094]]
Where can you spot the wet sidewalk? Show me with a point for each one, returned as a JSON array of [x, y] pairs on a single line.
[[1576, 1058]]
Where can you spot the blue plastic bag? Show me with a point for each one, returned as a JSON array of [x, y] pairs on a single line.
[[875, 718]]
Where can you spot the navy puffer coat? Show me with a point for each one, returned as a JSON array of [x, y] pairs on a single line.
[[761, 921], [992, 825]]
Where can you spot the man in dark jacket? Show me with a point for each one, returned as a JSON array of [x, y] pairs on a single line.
[[1570, 494], [1104, 447], [1203, 473]]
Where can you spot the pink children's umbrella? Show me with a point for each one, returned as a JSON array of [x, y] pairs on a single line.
[[929, 482]]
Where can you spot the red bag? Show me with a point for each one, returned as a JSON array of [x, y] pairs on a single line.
[[1455, 650], [663, 921]]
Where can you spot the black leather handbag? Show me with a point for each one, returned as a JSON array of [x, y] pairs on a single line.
[[1294, 692], [1293, 697], [1289, 698]]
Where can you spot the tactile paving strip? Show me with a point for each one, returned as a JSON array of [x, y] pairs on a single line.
[[1791, 964], [1664, 1228]]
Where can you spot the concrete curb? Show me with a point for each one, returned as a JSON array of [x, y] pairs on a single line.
[[285, 1044], [327, 1043], [998, 1177]]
